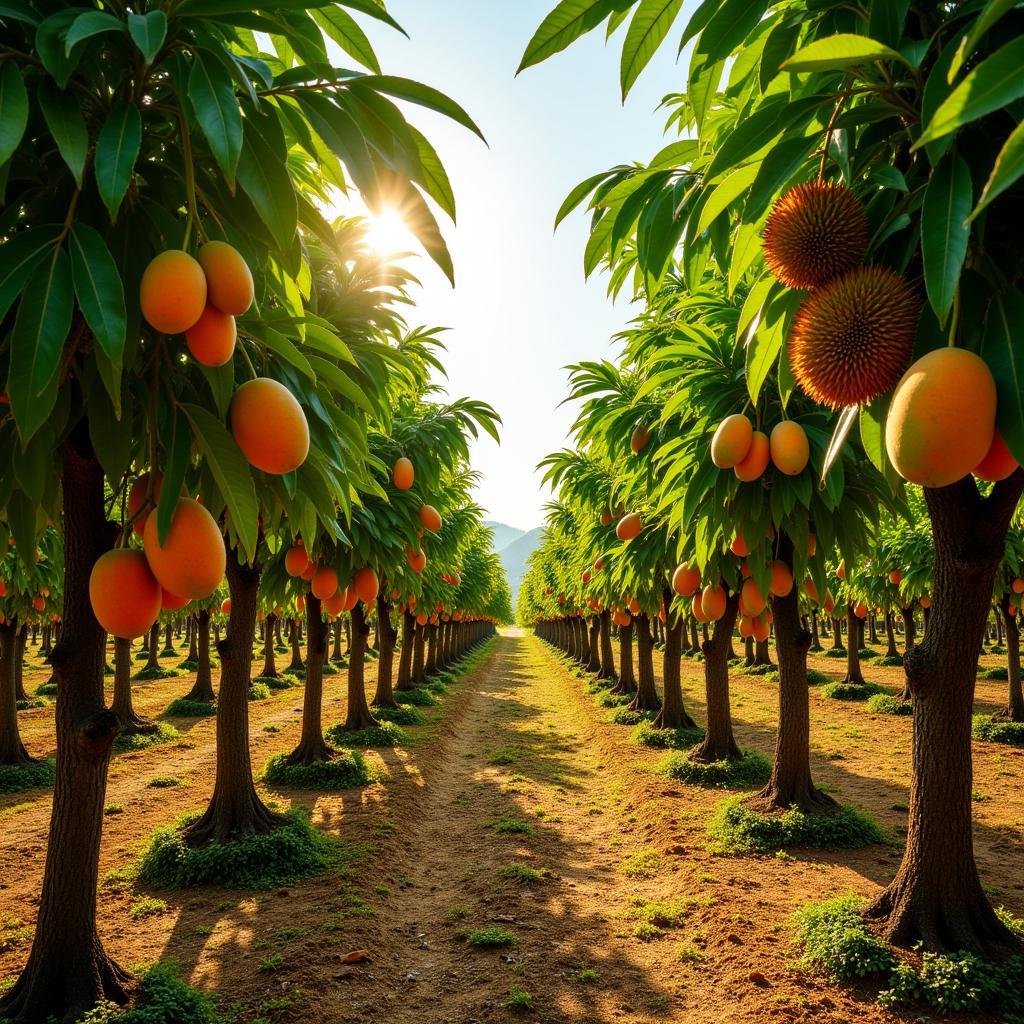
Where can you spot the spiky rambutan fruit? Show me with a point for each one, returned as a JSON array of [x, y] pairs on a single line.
[[815, 233], [851, 340]]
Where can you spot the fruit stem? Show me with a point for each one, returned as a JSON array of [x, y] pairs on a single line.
[[843, 97], [954, 320]]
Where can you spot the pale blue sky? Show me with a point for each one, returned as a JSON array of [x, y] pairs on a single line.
[[521, 309]]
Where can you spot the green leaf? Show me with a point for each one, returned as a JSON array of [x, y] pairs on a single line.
[[265, 180], [50, 45], [993, 84], [765, 344], [872, 431], [434, 177], [777, 47], [13, 109], [92, 23], [21, 515], [417, 92], [783, 162], [1007, 169], [1002, 352], [178, 453], [375, 10], [340, 26], [847, 418], [117, 149], [731, 24], [63, 114], [212, 94], [149, 32], [565, 24], [577, 195], [231, 472], [731, 187], [99, 290], [944, 231], [838, 52], [19, 256], [650, 24], [37, 343], [885, 22], [752, 134], [992, 12], [15, 10]]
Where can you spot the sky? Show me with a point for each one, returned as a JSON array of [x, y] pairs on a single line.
[[521, 309]]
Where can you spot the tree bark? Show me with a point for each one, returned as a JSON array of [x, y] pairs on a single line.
[[295, 665], [68, 972], [336, 651], [837, 635], [312, 745], [594, 652], [936, 897], [359, 716], [269, 670], [153, 662], [607, 670], [387, 635], [130, 723], [853, 672], [815, 639], [202, 689], [405, 656], [627, 679], [719, 743], [791, 783], [891, 650], [417, 653], [12, 750], [235, 809], [646, 698], [1014, 710], [19, 663], [193, 642], [673, 714]]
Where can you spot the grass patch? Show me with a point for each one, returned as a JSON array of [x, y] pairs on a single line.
[[641, 864], [147, 906], [867, 654], [346, 770], [588, 976], [816, 678], [163, 998], [834, 652], [645, 735], [387, 734], [746, 772], [280, 857], [734, 828], [659, 913], [128, 742], [30, 705], [624, 716], [997, 672], [159, 672], [519, 999], [513, 826], [850, 691], [165, 782], [274, 682], [258, 691], [524, 874], [607, 699], [399, 716], [836, 941], [503, 756], [420, 698], [490, 938], [46, 690], [760, 670], [887, 704], [184, 708], [15, 777], [994, 730]]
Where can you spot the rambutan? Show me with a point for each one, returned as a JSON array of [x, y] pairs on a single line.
[[851, 340], [815, 233]]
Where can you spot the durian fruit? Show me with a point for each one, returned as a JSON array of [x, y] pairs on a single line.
[[815, 233], [851, 340]]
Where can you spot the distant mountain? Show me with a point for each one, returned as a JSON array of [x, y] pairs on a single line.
[[515, 547]]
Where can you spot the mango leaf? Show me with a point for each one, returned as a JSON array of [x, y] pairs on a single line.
[[1007, 169], [993, 11], [50, 45], [731, 187], [944, 231], [753, 133], [993, 84], [417, 92], [99, 289], [839, 52], [847, 418], [149, 32], [89, 24], [729, 26], [19, 256], [15, 10], [63, 114], [37, 343], [231, 472], [434, 177], [650, 24], [565, 24], [340, 26], [178, 451], [117, 149], [1001, 351], [265, 180], [885, 22], [212, 94], [13, 109]]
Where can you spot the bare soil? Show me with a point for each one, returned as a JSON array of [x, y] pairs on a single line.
[[517, 769]]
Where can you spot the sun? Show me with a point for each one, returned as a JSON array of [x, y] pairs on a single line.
[[388, 233]]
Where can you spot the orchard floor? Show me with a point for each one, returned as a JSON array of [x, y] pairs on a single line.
[[515, 744]]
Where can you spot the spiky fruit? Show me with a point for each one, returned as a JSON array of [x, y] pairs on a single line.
[[815, 233], [731, 441], [852, 339]]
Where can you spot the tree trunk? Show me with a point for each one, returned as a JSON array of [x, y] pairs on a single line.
[[762, 653], [673, 714], [202, 690], [607, 657], [12, 751], [646, 698], [336, 651], [19, 663], [748, 651], [815, 639], [295, 639], [130, 722], [594, 654], [837, 635], [719, 743], [853, 672], [405, 656], [269, 657], [1014, 710], [909, 642], [68, 972], [168, 650], [387, 634], [936, 897], [417, 654], [193, 641], [791, 783], [891, 650], [312, 746], [235, 809], [627, 680], [359, 716], [430, 667], [153, 662]]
